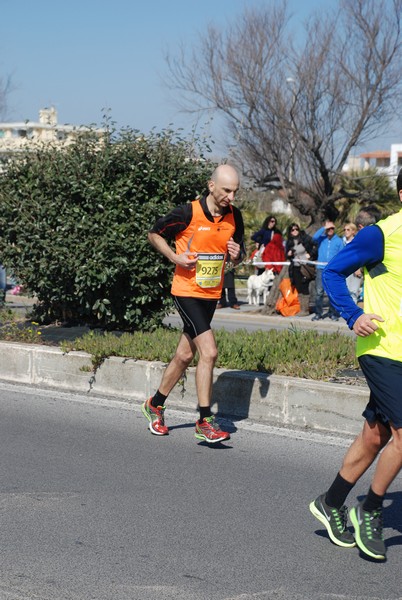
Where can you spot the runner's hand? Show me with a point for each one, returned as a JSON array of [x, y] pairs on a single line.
[[365, 325], [233, 249], [187, 260]]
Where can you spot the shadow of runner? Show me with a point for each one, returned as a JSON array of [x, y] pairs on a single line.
[[393, 515], [232, 392], [216, 446], [183, 426]]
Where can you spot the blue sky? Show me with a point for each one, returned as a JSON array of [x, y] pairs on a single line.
[[83, 56]]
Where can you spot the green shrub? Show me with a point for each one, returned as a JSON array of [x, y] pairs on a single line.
[[74, 222]]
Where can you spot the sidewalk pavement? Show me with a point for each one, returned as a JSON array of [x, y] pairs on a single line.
[[305, 322], [56, 334], [254, 313], [269, 399]]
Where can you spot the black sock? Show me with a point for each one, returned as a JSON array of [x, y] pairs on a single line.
[[205, 411], [158, 399], [372, 501], [338, 492]]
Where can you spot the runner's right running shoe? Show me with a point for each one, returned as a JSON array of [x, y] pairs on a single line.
[[155, 417], [335, 520], [368, 531]]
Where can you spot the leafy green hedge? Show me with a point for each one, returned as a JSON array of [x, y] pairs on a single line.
[[74, 222]]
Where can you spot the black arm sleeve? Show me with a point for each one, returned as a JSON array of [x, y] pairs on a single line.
[[239, 233], [174, 222]]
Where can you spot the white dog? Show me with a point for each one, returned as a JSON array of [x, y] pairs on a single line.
[[258, 285]]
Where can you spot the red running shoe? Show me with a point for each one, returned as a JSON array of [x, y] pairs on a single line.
[[155, 417], [209, 431]]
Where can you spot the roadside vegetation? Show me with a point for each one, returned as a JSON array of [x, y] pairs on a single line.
[[74, 224], [293, 352], [14, 329]]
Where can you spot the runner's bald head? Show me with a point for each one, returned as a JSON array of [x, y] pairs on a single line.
[[225, 173]]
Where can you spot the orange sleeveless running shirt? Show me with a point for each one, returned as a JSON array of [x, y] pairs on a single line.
[[209, 239]]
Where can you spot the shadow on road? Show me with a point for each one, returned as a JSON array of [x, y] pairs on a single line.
[[232, 391]]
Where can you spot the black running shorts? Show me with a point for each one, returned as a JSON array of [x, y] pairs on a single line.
[[384, 378], [196, 314]]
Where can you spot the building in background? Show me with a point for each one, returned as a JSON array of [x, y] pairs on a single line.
[[18, 136], [387, 162]]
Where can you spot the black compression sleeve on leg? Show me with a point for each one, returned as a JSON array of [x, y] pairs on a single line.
[[205, 411], [337, 493], [158, 399], [372, 501]]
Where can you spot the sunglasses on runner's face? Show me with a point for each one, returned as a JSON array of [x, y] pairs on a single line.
[[295, 229], [330, 228]]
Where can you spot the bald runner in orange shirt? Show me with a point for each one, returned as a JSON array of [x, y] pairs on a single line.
[[207, 233]]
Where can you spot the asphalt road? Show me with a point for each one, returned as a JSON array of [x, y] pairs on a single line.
[[92, 506]]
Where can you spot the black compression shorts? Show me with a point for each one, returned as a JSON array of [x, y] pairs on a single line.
[[196, 314], [384, 378]]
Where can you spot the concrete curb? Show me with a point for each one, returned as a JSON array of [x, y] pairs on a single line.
[[269, 399]]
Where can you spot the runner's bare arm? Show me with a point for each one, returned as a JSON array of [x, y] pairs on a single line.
[[187, 260]]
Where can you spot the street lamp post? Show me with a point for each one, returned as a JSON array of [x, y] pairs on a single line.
[[292, 82]]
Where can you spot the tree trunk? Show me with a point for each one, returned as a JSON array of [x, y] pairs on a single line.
[[274, 293]]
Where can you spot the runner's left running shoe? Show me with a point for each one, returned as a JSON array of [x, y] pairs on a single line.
[[155, 417], [368, 531], [209, 431]]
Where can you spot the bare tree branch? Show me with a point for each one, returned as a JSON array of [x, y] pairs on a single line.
[[294, 111]]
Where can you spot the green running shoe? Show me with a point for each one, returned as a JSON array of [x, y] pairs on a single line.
[[335, 521], [368, 531]]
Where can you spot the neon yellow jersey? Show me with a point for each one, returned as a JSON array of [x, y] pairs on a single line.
[[383, 295]]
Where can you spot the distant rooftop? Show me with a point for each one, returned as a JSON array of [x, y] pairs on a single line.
[[24, 135]]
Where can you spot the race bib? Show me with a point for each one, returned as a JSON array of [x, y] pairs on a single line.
[[209, 270]]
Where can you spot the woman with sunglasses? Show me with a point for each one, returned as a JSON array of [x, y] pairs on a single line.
[[349, 232], [300, 247], [264, 235]]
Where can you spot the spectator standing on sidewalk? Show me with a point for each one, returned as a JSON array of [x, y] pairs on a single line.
[[3, 286], [264, 236], [329, 244], [299, 247], [368, 215], [206, 232], [379, 350], [229, 289], [354, 281], [275, 252], [349, 232]]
